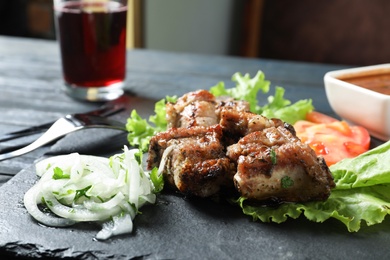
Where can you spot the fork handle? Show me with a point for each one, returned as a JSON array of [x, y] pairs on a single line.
[[60, 128]]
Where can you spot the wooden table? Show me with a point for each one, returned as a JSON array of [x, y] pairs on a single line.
[[30, 85]]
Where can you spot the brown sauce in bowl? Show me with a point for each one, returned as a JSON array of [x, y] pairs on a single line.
[[378, 82]]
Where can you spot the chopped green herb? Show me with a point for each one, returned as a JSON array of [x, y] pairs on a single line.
[[81, 193], [138, 157], [273, 156], [59, 174], [157, 180], [287, 182], [49, 203]]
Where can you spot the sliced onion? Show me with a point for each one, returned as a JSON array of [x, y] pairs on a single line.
[[112, 191], [164, 159], [104, 206], [117, 226], [30, 202]]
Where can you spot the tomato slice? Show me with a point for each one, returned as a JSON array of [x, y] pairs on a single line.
[[317, 117], [331, 138]]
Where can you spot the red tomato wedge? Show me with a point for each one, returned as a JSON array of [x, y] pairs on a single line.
[[331, 138], [319, 118]]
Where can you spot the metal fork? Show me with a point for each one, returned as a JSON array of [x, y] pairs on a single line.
[[64, 126], [105, 110]]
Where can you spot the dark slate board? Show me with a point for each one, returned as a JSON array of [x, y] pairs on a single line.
[[182, 228]]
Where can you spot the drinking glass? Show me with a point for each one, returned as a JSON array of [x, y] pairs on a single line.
[[92, 39]]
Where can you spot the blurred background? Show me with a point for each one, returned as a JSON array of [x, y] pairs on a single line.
[[351, 32]]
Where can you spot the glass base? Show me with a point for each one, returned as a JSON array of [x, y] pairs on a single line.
[[95, 94]]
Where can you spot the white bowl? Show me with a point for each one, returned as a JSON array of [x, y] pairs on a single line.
[[357, 104]]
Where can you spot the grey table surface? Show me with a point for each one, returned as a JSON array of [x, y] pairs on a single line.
[[177, 227]]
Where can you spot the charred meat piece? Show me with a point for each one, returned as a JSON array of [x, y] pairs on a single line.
[[228, 103], [200, 108], [237, 124], [275, 164], [193, 109], [193, 159]]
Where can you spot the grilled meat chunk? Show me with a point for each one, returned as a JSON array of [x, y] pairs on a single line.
[[200, 108], [212, 143], [194, 159], [193, 109], [275, 164], [237, 124], [228, 103]]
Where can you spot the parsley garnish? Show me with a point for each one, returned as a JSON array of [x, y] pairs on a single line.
[[59, 174], [46, 202], [273, 156], [157, 180], [287, 182], [81, 193]]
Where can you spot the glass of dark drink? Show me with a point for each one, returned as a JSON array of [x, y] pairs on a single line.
[[92, 37]]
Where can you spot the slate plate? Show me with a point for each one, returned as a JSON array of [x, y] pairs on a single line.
[[182, 228]]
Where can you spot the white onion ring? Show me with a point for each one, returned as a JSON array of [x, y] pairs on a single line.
[[30, 202], [80, 188], [78, 214]]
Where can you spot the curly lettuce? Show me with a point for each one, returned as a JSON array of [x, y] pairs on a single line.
[[278, 106], [246, 89], [140, 131]]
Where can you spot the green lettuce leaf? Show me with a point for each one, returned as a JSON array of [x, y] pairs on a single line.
[[247, 89], [361, 194], [368, 169], [158, 119], [351, 207], [141, 131], [279, 107]]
